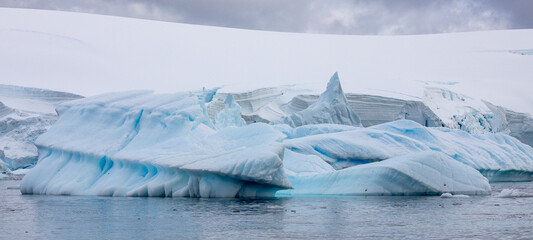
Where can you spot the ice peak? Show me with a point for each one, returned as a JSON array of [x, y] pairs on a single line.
[[331, 107], [230, 115], [333, 93], [334, 83]]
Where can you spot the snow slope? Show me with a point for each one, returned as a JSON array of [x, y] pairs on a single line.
[[91, 54]]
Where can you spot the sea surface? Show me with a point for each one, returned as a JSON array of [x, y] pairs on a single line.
[[322, 217]]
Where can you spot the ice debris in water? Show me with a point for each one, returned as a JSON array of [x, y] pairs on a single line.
[[513, 193], [449, 195]]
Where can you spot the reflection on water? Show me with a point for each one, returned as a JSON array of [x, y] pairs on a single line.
[[75, 217]]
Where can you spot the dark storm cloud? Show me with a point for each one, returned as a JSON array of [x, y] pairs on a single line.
[[319, 16]]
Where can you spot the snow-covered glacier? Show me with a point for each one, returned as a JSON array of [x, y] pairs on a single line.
[[142, 144], [25, 113]]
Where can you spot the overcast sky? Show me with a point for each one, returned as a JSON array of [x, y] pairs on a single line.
[[315, 16]]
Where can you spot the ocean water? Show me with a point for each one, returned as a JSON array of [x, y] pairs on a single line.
[[331, 217]]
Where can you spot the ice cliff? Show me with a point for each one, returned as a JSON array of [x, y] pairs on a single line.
[[25, 113], [472, 115]]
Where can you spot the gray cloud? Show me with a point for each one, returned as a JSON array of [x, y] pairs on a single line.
[[317, 16]]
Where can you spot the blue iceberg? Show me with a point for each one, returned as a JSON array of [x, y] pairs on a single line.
[[142, 144]]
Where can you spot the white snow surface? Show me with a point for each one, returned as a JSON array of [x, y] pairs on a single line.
[[92, 54]]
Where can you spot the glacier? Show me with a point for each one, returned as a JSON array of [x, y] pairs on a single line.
[[25, 114], [138, 143]]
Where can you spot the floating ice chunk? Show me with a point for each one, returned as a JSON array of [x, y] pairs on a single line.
[[230, 115], [331, 107], [499, 157], [449, 195], [513, 193], [423, 173]]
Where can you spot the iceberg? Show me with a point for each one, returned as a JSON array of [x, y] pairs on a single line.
[[141, 144], [499, 157], [353, 147], [422, 173], [138, 143]]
